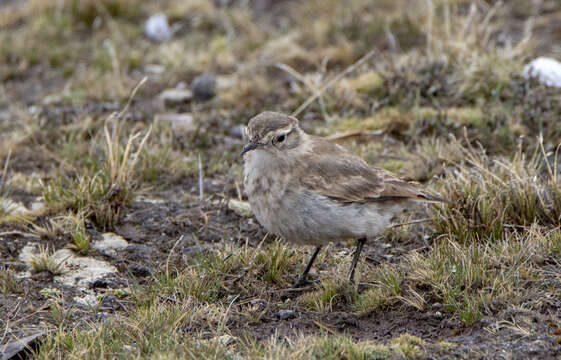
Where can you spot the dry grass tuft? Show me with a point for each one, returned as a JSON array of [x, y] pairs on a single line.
[[46, 260], [493, 198], [103, 194], [9, 284]]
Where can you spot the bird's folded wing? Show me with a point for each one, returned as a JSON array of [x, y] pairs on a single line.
[[334, 172]]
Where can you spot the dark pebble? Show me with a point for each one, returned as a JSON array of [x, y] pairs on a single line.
[[204, 87]]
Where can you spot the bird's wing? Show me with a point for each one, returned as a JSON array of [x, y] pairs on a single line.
[[333, 171]]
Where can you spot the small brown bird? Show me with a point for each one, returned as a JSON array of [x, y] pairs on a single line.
[[309, 190]]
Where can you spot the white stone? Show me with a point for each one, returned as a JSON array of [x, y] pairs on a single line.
[[547, 70], [242, 208], [176, 96], [110, 244], [81, 271], [157, 28], [27, 252]]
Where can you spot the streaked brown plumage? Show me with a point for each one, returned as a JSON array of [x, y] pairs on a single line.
[[310, 190]]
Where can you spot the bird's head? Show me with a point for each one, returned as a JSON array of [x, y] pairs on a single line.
[[271, 131]]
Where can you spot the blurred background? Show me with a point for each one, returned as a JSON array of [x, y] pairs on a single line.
[[221, 62]]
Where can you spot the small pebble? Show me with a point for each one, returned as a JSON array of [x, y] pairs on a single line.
[[258, 302], [286, 314], [204, 87], [225, 340]]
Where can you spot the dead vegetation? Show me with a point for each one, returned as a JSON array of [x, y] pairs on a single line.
[[430, 90]]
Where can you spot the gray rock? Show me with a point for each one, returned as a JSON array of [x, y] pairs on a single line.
[[111, 244], [286, 314], [20, 348], [204, 87], [139, 270]]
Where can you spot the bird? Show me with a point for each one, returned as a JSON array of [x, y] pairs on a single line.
[[311, 191]]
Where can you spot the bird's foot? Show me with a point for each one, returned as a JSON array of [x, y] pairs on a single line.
[[301, 282]]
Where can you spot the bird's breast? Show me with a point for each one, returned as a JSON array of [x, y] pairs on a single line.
[[266, 186]]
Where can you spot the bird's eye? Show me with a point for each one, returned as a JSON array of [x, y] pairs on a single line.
[[280, 138]]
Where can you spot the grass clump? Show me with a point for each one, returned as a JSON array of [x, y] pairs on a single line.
[[104, 194], [231, 269], [95, 195], [46, 260], [333, 292], [9, 284], [386, 292], [466, 279], [274, 261], [6, 206], [332, 346], [206, 279], [154, 329], [80, 238], [494, 198]]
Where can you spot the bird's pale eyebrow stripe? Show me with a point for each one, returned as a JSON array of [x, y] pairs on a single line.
[[290, 132], [284, 131]]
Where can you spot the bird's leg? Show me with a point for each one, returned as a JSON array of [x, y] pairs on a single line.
[[302, 279], [359, 245]]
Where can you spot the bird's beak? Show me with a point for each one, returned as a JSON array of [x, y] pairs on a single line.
[[250, 146]]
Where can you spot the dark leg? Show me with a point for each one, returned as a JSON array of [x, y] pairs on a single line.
[[302, 279], [359, 246]]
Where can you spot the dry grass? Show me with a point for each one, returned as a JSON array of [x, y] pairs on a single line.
[[9, 284], [46, 260], [494, 198], [102, 194]]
